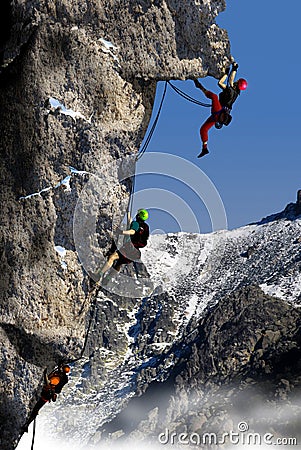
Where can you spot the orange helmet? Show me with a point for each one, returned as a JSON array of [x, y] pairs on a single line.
[[66, 368], [54, 380]]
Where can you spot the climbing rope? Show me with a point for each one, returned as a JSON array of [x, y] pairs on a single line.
[[188, 97], [151, 131], [92, 314], [33, 434], [145, 145], [182, 94], [130, 206]]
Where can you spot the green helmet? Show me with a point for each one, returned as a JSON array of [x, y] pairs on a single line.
[[142, 214]]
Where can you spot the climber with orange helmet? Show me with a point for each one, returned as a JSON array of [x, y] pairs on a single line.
[[230, 89], [53, 384], [135, 237]]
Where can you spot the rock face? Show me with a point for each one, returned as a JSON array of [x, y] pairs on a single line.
[[77, 86]]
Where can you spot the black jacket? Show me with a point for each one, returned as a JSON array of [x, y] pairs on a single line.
[[228, 96]]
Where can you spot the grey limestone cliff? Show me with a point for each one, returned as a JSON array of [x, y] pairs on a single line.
[[77, 87]]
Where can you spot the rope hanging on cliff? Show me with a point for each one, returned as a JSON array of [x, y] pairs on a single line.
[[188, 97], [145, 145], [130, 206], [151, 131], [92, 313], [33, 434]]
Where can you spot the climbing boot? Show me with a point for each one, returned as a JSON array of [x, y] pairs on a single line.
[[204, 152]]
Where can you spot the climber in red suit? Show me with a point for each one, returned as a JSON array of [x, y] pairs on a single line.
[[219, 117]]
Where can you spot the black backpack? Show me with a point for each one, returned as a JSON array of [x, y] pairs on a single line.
[[139, 239], [228, 96]]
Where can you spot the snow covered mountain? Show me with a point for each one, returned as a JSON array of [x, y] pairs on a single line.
[[151, 347]]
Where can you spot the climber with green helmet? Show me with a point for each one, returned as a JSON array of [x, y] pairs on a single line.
[[135, 237]]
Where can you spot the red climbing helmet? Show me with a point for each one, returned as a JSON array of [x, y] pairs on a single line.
[[242, 84]]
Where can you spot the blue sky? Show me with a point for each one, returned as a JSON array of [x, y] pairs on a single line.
[[255, 162]]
